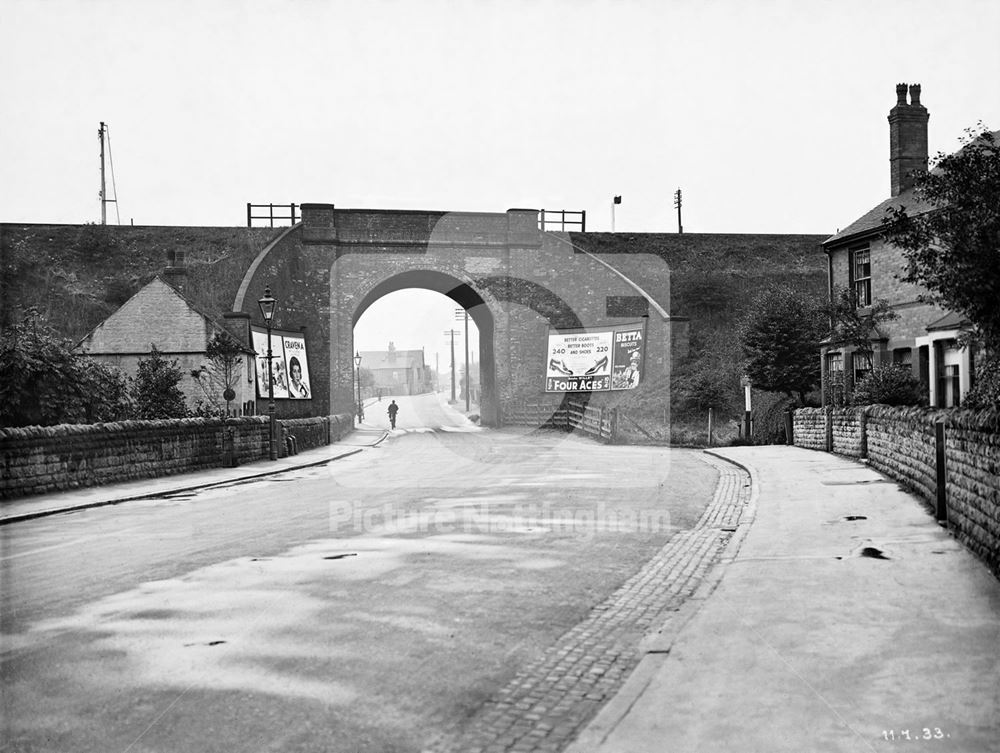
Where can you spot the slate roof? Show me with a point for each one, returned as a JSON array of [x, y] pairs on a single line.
[[949, 321], [404, 359], [871, 221]]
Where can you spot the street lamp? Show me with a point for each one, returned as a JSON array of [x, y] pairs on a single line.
[[267, 306], [357, 371]]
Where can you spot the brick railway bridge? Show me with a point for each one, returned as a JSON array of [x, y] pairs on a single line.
[[515, 280]]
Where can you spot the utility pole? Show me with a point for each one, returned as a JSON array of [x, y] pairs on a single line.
[[451, 333], [460, 314], [677, 203], [105, 129], [104, 206]]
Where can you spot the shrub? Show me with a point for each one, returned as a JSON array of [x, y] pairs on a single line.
[[985, 392], [155, 390], [889, 384]]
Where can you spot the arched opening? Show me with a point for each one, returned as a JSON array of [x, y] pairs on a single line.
[[401, 329]]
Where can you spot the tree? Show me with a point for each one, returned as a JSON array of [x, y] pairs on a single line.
[[779, 337], [44, 382], [855, 325], [155, 390], [953, 250], [220, 375]]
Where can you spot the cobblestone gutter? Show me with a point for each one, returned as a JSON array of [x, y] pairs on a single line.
[[548, 703]]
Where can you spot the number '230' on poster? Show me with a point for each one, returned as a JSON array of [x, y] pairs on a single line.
[[598, 359]]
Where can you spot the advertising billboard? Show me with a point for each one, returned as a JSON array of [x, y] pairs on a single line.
[[598, 359], [289, 364]]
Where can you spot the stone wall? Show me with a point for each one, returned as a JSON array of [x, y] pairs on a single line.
[[902, 443], [40, 459], [318, 431], [809, 428], [972, 467], [847, 433]]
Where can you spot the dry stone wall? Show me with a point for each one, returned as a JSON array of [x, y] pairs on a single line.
[[902, 443]]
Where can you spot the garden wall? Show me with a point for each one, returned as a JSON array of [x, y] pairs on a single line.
[[905, 444], [40, 459]]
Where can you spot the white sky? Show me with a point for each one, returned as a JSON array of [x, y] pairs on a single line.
[[770, 115]]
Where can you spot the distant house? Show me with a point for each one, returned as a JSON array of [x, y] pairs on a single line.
[[159, 314], [923, 337], [397, 372]]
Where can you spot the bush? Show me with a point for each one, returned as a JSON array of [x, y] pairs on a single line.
[[155, 390], [985, 392], [889, 384], [44, 382]]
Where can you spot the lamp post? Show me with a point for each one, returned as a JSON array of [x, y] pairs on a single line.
[[357, 371], [267, 306]]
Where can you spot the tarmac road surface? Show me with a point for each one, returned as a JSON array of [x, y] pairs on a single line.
[[369, 605]]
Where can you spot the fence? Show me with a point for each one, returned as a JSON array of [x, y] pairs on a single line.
[[950, 458], [270, 216], [572, 414], [562, 220]]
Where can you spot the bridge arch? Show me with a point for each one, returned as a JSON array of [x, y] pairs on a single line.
[[515, 280]]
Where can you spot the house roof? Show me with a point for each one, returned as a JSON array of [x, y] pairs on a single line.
[[871, 221], [213, 324], [212, 321], [951, 320], [402, 359]]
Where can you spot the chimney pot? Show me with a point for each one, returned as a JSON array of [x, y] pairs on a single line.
[[915, 95], [900, 95]]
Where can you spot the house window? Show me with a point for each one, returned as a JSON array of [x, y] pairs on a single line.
[[835, 379], [902, 356], [861, 275], [862, 366]]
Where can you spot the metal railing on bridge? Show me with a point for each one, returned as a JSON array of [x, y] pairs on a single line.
[[271, 216], [562, 220]]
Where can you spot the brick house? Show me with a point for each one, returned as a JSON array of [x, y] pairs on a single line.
[[397, 372], [924, 336], [160, 314]]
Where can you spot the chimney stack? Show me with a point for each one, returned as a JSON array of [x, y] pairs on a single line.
[[907, 138], [176, 271]]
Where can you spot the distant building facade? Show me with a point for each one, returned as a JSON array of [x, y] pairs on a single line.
[[397, 372], [923, 337]]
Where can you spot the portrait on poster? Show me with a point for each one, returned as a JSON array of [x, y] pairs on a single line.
[[289, 365]]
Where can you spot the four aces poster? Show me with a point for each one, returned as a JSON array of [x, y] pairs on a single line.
[[598, 359]]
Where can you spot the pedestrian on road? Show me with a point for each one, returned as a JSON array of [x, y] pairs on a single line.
[[393, 410]]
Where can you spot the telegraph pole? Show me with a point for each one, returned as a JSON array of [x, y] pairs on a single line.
[[104, 206], [460, 314], [677, 203], [451, 333]]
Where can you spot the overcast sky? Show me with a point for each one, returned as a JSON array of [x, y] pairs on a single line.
[[770, 116]]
